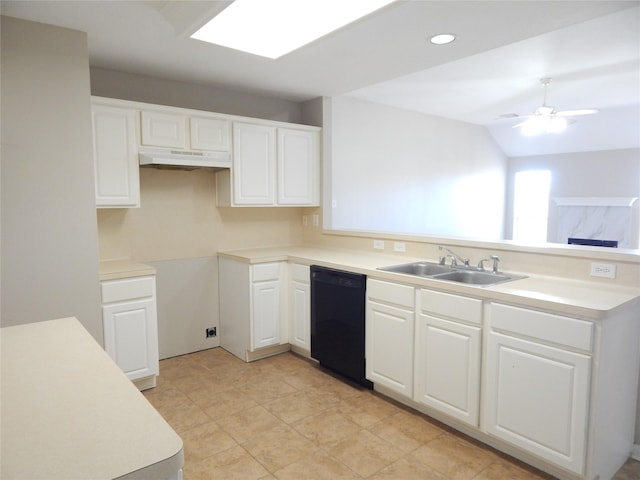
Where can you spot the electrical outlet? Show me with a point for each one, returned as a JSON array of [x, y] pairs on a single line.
[[211, 332], [606, 270], [316, 219], [378, 244], [399, 247]]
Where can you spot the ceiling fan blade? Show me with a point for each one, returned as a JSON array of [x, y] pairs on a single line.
[[575, 113]]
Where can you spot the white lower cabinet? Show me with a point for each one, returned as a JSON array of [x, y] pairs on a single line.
[[537, 393], [389, 335], [131, 327], [265, 305], [300, 308], [252, 318], [448, 355]]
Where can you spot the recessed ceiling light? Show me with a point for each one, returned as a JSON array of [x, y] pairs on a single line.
[[442, 39], [276, 27]]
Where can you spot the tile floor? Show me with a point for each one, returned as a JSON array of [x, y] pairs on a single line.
[[285, 418]]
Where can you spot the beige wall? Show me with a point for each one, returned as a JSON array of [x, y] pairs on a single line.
[[49, 236], [178, 218]]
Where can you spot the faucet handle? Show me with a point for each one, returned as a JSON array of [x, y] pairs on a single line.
[[495, 259]]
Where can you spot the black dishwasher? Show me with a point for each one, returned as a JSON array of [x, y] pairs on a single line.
[[337, 322]]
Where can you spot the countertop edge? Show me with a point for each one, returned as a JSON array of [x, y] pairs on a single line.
[[528, 292], [123, 268], [163, 469]]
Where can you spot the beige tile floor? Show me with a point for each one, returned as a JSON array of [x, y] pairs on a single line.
[[285, 418]]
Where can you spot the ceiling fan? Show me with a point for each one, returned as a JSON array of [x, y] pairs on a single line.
[[546, 119]]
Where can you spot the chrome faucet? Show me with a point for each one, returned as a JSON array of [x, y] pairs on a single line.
[[454, 257], [495, 259]]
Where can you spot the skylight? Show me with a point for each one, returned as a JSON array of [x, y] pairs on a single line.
[[272, 28]]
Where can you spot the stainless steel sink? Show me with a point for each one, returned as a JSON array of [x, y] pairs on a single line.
[[475, 277], [466, 275], [421, 269]]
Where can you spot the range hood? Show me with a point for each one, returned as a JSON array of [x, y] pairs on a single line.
[[183, 159]]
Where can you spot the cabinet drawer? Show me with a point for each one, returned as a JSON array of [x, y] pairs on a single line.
[[393, 293], [557, 329], [127, 289], [300, 273], [454, 306], [265, 271]]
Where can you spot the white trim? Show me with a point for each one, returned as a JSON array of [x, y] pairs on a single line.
[[595, 201], [635, 453]]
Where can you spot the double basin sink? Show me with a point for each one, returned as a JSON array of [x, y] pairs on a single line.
[[466, 275]]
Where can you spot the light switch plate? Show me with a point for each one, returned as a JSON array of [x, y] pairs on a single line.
[[378, 244], [399, 247]]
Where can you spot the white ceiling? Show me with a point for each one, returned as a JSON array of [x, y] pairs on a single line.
[[493, 67]]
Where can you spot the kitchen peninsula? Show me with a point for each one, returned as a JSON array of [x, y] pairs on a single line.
[[543, 368], [68, 412]]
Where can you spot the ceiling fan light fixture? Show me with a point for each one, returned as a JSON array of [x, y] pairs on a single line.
[[540, 124], [556, 125], [533, 126], [442, 38]]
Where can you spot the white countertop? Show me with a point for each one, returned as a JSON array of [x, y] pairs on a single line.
[[68, 411], [124, 268], [578, 298]]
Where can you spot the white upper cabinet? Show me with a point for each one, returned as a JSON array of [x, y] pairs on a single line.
[[115, 155], [272, 166], [273, 163], [298, 167], [182, 132], [163, 130], [212, 134], [254, 164]]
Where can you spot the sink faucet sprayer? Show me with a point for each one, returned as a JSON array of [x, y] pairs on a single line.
[[454, 257]]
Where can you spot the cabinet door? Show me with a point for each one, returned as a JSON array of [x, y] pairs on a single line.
[[210, 134], [265, 314], [389, 347], [448, 367], [300, 314], [298, 167], [115, 156], [253, 164], [163, 129], [537, 399], [131, 337]]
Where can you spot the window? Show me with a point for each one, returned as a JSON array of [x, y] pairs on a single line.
[[531, 205]]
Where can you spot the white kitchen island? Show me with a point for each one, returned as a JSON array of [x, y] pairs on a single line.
[[68, 411]]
